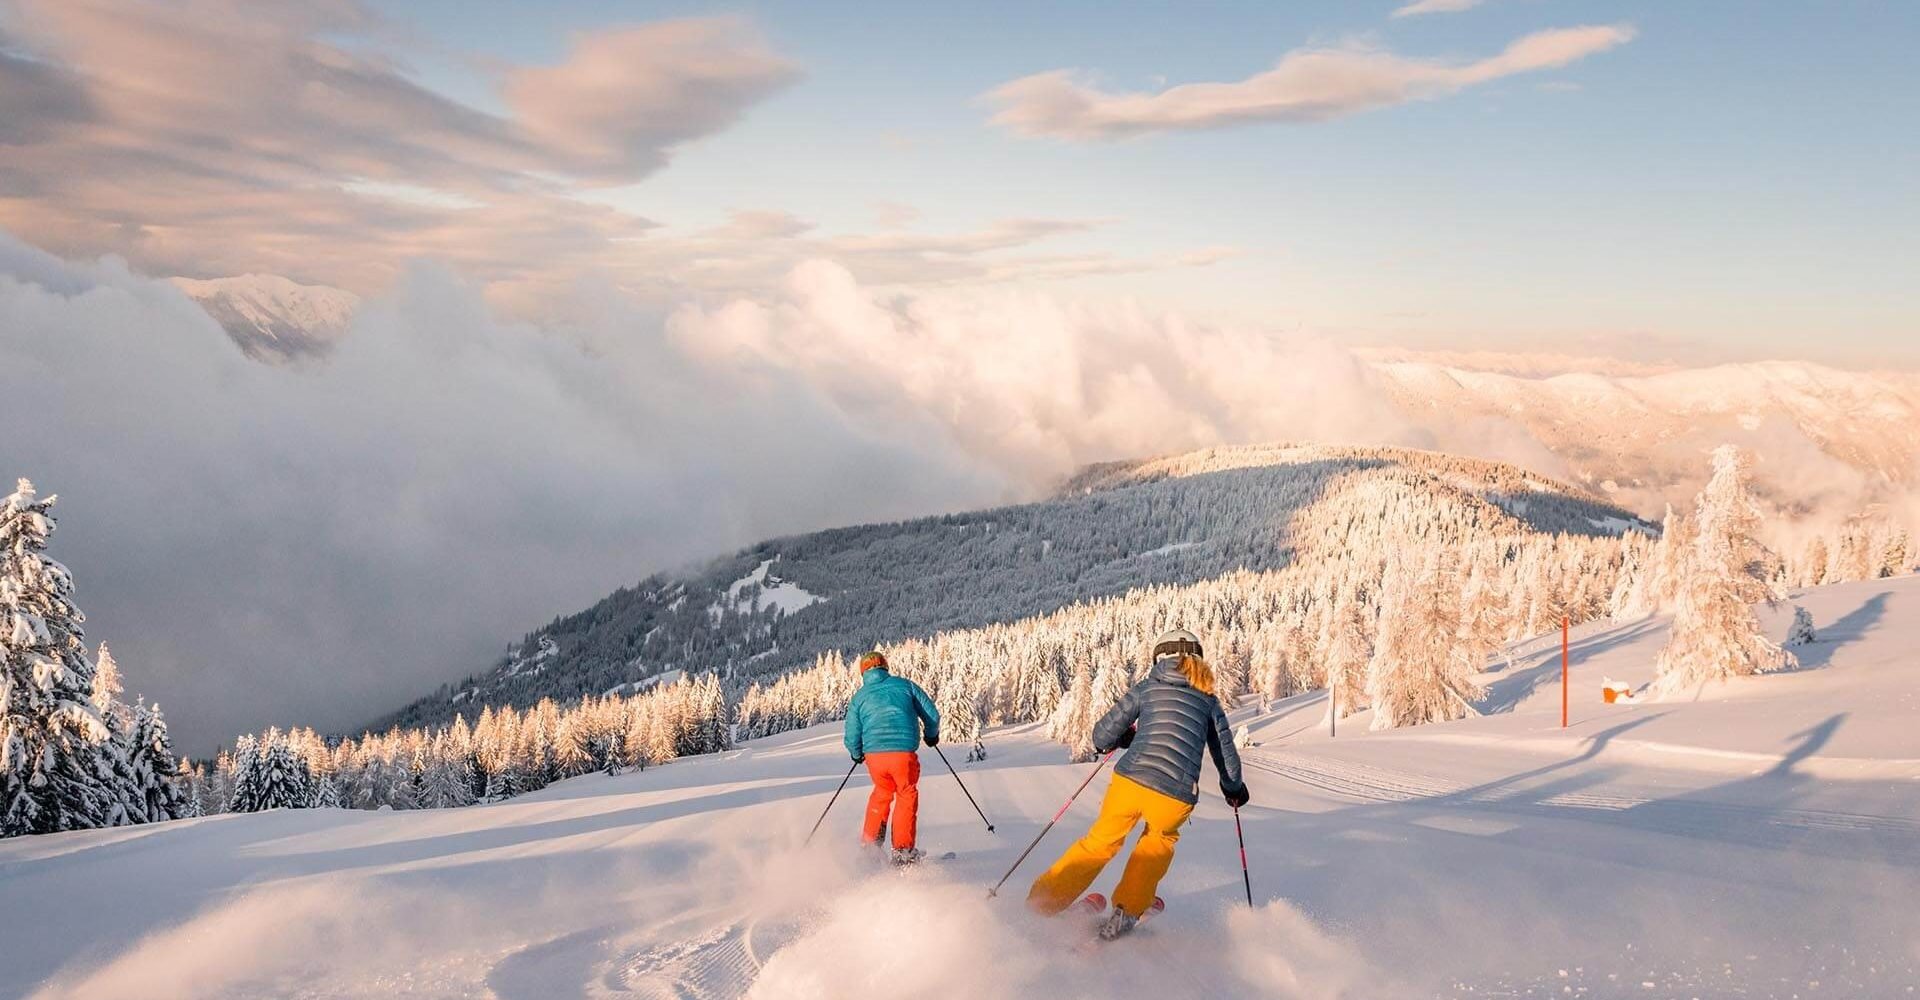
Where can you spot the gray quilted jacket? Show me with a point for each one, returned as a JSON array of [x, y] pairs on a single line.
[[1176, 724]]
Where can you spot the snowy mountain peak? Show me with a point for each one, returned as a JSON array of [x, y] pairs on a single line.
[[271, 317]]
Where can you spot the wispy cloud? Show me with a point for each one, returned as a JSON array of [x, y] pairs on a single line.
[[1307, 85], [210, 137], [1419, 7]]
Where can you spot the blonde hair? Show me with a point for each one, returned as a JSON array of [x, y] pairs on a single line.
[[1199, 675]]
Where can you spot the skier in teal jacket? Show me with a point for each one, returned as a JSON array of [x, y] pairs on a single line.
[[885, 723]]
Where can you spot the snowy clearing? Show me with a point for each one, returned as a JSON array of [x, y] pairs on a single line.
[[1715, 848], [774, 593]]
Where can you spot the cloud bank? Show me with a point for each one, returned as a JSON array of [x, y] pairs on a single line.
[[1307, 85], [314, 544]]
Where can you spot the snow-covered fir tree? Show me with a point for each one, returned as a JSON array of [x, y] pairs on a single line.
[[1801, 632], [52, 776], [283, 780], [1421, 670], [1349, 651], [243, 768], [153, 768], [1715, 634]]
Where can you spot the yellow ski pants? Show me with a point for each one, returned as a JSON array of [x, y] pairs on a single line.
[[1127, 803]]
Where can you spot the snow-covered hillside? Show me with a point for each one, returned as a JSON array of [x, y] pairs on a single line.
[[1762, 841], [272, 318], [1118, 528], [1638, 438]]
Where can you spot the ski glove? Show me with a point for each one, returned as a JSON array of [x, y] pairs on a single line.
[[859, 758], [1235, 794], [932, 740]]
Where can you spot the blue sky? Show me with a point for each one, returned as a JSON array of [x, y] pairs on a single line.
[[1735, 181]]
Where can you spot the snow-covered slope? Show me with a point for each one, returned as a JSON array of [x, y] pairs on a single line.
[[272, 318], [1763, 841], [1639, 438], [1176, 520]]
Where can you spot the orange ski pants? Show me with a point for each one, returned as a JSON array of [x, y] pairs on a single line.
[[1127, 803], [896, 788]]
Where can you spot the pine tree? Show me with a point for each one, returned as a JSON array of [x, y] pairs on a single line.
[[1349, 652], [154, 769], [244, 782], [1715, 634], [1670, 558], [284, 781], [1073, 717], [114, 759], [50, 732], [1893, 559], [1813, 562], [1110, 684], [326, 793], [1800, 633], [1421, 671], [107, 688]]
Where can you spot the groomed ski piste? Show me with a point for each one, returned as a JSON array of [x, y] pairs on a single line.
[[1760, 841]]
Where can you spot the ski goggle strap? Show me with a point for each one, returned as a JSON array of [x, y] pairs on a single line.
[[1179, 647]]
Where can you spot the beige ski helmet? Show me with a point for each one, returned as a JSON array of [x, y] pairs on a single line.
[[1176, 643]]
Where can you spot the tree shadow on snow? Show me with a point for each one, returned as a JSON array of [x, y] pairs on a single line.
[[1852, 626]]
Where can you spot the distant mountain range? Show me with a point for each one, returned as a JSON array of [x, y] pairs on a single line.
[[271, 318], [1842, 440]]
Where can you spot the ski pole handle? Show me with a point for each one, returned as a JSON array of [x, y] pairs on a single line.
[[963, 788], [995, 891]]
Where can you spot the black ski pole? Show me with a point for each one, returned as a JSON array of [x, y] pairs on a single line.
[[829, 808], [995, 891], [963, 788], [1244, 877]]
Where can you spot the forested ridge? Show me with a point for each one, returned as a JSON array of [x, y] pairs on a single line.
[[1116, 527]]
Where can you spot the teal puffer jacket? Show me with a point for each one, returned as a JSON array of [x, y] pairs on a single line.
[[886, 713]]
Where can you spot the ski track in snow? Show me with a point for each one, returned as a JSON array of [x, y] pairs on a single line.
[[717, 964]]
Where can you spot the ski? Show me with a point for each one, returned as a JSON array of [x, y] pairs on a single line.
[[1092, 904]]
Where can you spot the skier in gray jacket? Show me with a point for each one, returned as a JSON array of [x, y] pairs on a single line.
[[1167, 722]]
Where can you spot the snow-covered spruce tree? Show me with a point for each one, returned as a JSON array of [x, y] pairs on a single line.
[[284, 780], [50, 733], [1110, 685], [154, 769], [1670, 557], [326, 794], [1715, 634], [1349, 647], [1812, 571], [712, 734], [1074, 716], [243, 787], [1893, 558], [107, 688], [1421, 671], [1800, 633], [126, 798]]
